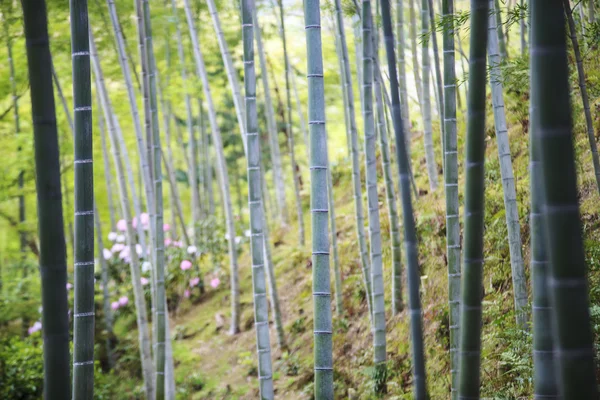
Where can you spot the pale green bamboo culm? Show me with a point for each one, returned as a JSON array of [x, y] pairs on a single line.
[[356, 180], [451, 190], [390, 191], [400, 50], [83, 313], [255, 204], [122, 167], [508, 179], [410, 234], [160, 311], [289, 128], [379, 342], [222, 170], [567, 281], [52, 259], [471, 292], [271, 127], [432, 172], [323, 329]]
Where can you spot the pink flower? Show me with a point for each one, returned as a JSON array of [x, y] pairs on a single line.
[[166, 227], [215, 282], [69, 286], [115, 305], [37, 326], [178, 244], [144, 281], [122, 225], [186, 294], [117, 247], [194, 282], [107, 254], [125, 253], [144, 219], [134, 222], [185, 265], [168, 242], [123, 301]]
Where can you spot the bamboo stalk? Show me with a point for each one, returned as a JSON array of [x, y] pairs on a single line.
[[255, 204], [410, 236], [508, 179], [451, 191], [52, 258], [83, 313], [472, 278], [573, 342], [379, 334]]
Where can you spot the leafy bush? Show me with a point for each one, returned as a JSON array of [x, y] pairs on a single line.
[[21, 369]]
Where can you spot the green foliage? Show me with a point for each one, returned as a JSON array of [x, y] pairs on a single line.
[[21, 369]]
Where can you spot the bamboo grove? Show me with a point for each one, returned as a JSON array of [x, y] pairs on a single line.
[[188, 186]]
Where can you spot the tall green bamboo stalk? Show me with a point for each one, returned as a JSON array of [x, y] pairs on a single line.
[[323, 329], [432, 173], [222, 169], [451, 189], [545, 384], [52, 259], [471, 293], [390, 191], [160, 312], [508, 179], [356, 179], [501, 40], [583, 89], [107, 171], [400, 50], [146, 181], [255, 204], [195, 205], [410, 235], [438, 74], [379, 340], [415, 57], [289, 128], [122, 167], [83, 329], [278, 181], [573, 343], [229, 69]]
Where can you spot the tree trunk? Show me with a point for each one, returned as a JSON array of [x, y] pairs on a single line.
[[472, 279], [432, 172], [567, 281], [256, 206], [118, 146], [356, 179], [52, 258], [83, 310], [410, 236], [451, 191], [278, 181], [379, 339], [289, 131], [323, 329], [508, 179], [222, 169]]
